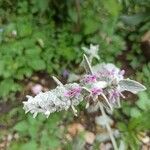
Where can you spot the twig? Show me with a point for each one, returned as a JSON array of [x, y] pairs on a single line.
[[57, 81], [108, 127], [87, 65]]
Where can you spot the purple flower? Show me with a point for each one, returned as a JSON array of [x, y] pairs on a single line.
[[73, 92], [90, 78], [65, 74], [122, 72], [110, 72], [36, 89], [114, 95], [106, 73], [96, 91]]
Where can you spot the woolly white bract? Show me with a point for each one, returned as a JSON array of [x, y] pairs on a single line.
[[92, 52], [103, 82], [60, 98]]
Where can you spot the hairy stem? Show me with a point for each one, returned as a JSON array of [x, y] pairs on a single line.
[[87, 65], [88, 69], [108, 127], [57, 81]]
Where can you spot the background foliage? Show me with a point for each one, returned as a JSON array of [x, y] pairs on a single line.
[[46, 37]]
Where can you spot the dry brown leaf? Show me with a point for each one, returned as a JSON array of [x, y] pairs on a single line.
[[75, 128], [89, 137]]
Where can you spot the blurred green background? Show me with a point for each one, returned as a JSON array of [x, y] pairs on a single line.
[[39, 38]]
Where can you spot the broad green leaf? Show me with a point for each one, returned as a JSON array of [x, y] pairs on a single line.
[[21, 126]]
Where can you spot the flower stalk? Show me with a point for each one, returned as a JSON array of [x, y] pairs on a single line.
[[108, 127], [103, 112]]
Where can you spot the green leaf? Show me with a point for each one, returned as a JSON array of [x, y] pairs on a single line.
[[126, 110], [144, 101], [21, 126], [9, 28], [73, 15], [122, 126], [112, 6], [42, 5], [14, 146], [53, 121], [2, 67], [37, 64], [33, 51], [26, 71], [135, 19], [91, 26], [31, 145], [45, 139], [135, 112], [7, 86], [24, 29], [54, 142], [134, 123]]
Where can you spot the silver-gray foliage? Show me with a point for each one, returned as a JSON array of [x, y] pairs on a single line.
[[131, 86], [54, 100]]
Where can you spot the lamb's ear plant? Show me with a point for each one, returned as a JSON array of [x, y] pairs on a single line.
[[103, 86]]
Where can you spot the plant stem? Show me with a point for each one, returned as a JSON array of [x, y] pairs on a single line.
[[57, 81], [108, 127], [88, 69]]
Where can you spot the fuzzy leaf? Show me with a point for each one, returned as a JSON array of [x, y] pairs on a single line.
[[73, 77], [87, 65], [131, 86], [57, 81]]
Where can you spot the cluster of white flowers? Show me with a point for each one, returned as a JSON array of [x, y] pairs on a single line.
[[102, 83]]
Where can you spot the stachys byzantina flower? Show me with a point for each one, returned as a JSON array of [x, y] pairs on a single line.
[[102, 83], [107, 81], [61, 98]]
